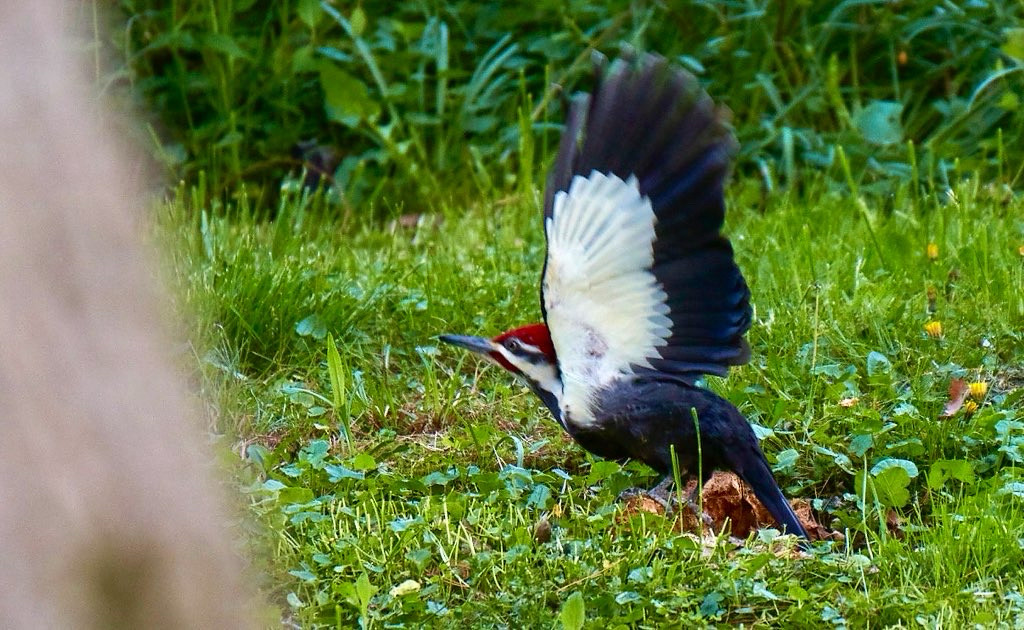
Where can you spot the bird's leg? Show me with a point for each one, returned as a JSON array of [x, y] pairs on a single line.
[[692, 502], [662, 493]]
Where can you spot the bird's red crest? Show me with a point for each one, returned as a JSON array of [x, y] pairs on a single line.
[[532, 334]]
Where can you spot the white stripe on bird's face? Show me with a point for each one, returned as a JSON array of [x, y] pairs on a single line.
[[538, 370], [605, 309]]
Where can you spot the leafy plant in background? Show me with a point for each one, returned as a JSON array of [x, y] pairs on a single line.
[[408, 98], [440, 120], [401, 92]]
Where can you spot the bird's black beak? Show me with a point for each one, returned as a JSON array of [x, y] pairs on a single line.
[[479, 345]]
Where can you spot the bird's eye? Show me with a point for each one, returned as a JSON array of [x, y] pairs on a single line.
[[512, 344]]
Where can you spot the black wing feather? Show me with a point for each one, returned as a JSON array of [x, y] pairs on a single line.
[[653, 121]]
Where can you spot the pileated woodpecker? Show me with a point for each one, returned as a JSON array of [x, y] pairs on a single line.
[[640, 294]]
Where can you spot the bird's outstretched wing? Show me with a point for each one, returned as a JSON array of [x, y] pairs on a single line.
[[637, 275]]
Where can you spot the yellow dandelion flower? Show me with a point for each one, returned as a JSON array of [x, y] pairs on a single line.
[[978, 389], [932, 251], [934, 329], [970, 407], [1020, 250]]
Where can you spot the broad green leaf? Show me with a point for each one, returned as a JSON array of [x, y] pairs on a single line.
[[573, 612], [337, 376], [299, 396], [309, 12], [761, 589], [879, 122], [314, 452], [273, 485], [363, 461], [346, 98], [311, 326], [627, 597], [945, 469], [891, 487], [797, 592], [840, 460], [401, 524], [358, 21], [878, 363], [641, 575], [337, 472], [364, 591], [891, 462], [540, 497], [418, 557], [861, 443], [761, 433], [261, 456], [1013, 46], [304, 60], [786, 460], [602, 469], [437, 478], [304, 574], [710, 606], [1009, 101], [1013, 488], [295, 496]]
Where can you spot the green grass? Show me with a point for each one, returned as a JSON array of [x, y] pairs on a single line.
[[452, 465]]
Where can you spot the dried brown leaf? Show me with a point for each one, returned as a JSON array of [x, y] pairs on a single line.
[[815, 530], [958, 391], [727, 501], [542, 531], [641, 503], [894, 523], [727, 498]]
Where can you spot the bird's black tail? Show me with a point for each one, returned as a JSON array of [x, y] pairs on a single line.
[[752, 467]]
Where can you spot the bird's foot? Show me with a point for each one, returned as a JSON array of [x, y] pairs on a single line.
[[664, 491], [691, 502], [630, 494]]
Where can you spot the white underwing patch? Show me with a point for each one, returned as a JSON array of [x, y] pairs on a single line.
[[605, 309]]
